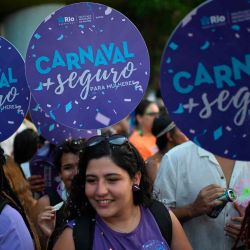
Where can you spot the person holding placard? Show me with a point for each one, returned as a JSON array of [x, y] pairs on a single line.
[[110, 203], [21, 187], [189, 181], [15, 229], [168, 135], [66, 160]]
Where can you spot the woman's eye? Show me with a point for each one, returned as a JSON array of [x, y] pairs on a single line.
[[112, 180], [67, 168], [90, 180]]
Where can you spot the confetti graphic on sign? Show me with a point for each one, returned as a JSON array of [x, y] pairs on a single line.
[[53, 131]]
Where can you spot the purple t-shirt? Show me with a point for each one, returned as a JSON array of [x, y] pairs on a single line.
[[146, 235], [14, 234]]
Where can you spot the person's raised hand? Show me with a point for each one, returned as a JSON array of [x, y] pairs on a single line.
[[36, 183], [46, 221], [233, 229], [206, 200]]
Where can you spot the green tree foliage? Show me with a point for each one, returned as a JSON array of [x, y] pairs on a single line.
[[156, 20]]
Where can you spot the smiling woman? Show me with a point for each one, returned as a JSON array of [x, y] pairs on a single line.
[[66, 160], [110, 202]]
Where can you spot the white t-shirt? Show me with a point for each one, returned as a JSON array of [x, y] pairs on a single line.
[[184, 171]]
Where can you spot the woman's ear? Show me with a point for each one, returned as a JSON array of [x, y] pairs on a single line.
[[169, 137], [137, 178]]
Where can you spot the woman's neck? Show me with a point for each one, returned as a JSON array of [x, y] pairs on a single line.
[[125, 223], [145, 132]]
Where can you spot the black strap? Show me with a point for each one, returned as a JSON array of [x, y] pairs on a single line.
[[83, 232], [3, 202], [163, 219]]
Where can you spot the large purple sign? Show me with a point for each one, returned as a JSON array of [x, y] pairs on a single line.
[[87, 66], [53, 131], [14, 91], [205, 77]]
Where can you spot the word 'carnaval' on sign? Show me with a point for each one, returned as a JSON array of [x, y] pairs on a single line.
[[7, 78], [222, 74], [102, 56]]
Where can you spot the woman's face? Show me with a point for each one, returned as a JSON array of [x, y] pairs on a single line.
[[147, 119], [69, 168], [109, 188]]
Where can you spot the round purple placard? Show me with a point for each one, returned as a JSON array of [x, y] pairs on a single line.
[[53, 131], [205, 77], [87, 65], [14, 91]]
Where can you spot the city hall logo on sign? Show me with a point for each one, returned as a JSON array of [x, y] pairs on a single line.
[[64, 20], [212, 21]]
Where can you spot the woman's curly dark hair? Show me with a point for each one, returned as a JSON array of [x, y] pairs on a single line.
[[125, 156]]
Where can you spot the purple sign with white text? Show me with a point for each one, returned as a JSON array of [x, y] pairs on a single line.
[[51, 130], [87, 65], [14, 91], [205, 77]]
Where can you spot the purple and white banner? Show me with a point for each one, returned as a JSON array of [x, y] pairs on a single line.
[[14, 91], [87, 66], [205, 77]]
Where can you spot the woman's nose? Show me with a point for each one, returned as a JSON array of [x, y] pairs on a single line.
[[101, 188]]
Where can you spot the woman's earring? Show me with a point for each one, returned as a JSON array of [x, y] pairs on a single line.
[[135, 187]]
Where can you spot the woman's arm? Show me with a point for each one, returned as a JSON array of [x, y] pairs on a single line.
[[39, 208], [46, 221], [179, 238], [65, 241]]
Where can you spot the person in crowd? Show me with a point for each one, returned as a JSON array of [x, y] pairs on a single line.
[[24, 154], [189, 181], [66, 160], [167, 136], [25, 146], [15, 229], [21, 187], [241, 231], [122, 127], [44, 156], [142, 137], [112, 193]]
